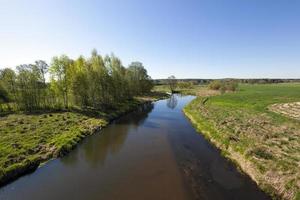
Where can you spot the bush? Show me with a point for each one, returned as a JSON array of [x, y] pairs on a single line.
[[215, 85], [223, 85], [185, 85], [231, 86]]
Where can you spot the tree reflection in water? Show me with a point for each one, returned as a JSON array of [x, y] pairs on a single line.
[[172, 101], [111, 139]]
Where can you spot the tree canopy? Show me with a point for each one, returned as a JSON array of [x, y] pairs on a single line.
[[94, 82]]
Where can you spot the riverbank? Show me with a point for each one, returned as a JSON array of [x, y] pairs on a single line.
[[264, 144], [28, 140]]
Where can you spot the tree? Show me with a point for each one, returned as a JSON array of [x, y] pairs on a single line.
[[119, 82], [172, 82], [29, 82], [8, 84], [61, 76], [42, 68], [80, 83], [99, 81], [91, 82], [139, 81], [3, 96]]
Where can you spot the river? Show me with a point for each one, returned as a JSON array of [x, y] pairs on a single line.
[[152, 153]]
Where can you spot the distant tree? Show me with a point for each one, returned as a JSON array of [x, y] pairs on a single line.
[[172, 82]]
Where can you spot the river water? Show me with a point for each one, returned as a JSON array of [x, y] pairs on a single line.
[[153, 153]]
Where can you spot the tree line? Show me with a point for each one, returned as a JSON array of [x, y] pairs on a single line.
[[96, 82], [207, 81]]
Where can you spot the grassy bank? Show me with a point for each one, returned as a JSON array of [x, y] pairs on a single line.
[[265, 144], [27, 140]]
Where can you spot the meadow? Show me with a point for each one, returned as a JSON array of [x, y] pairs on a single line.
[[263, 143], [197, 90]]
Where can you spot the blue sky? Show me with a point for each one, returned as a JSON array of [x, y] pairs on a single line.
[[187, 38]]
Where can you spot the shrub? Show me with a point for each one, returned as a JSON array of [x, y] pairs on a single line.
[[215, 85], [185, 84], [224, 85], [231, 86]]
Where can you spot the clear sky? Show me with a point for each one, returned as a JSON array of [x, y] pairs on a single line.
[[187, 38]]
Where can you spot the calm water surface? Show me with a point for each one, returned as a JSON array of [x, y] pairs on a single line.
[[153, 153]]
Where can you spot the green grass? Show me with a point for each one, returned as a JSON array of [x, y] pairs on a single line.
[[242, 126], [27, 140], [257, 97], [162, 88]]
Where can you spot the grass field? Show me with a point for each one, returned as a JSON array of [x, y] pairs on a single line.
[[265, 144], [27, 140], [198, 90]]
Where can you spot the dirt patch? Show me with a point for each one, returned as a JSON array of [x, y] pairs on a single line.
[[291, 110]]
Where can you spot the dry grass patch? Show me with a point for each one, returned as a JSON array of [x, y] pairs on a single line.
[[288, 109], [205, 92]]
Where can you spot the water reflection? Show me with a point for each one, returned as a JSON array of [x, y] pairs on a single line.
[[95, 151], [138, 116], [172, 101]]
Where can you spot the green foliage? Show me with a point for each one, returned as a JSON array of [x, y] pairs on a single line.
[[172, 82], [185, 85], [138, 78], [3, 94], [61, 76], [215, 85], [228, 85], [85, 82]]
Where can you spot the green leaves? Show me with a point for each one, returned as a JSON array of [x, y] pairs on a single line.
[[91, 82]]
